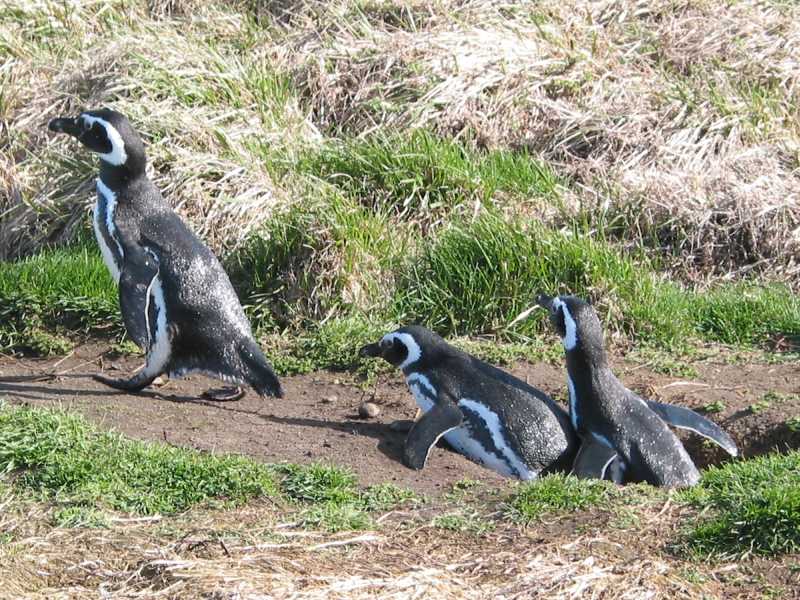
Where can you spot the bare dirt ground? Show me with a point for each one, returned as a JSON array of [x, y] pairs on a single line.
[[318, 418], [253, 553]]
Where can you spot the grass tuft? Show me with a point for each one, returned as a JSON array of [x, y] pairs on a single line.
[[61, 289], [464, 521], [754, 508], [80, 516], [557, 493], [319, 484], [336, 502]]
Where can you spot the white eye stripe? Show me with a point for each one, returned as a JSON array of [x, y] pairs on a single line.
[[570, 339], [414, 351], [117, 156]]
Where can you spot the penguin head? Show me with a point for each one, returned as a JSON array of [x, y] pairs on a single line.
[[575, 320], [108, 134], [404, 347]]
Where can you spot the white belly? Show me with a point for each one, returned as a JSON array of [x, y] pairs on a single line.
[[99, 221], [460, 438], [108, 257], [160, 346]]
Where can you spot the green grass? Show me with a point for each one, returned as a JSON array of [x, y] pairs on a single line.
[[557, 494], [420, 174], [333, 344], [67, 460], [80, 516], [59, 457], [336, 501], [477, 276], [321, 280], [62, 289], [749, 507], [328, 257]]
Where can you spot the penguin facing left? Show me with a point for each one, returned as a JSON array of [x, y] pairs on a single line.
[[176, 300], [620, 432], [484, 413]]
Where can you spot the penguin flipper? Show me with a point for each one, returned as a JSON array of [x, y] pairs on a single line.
[[684, 418], [443, 417], [593, 459], [139, 270]]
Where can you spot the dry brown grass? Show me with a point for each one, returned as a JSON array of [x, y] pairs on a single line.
[[179, 83], [676, 120], [249, 553]]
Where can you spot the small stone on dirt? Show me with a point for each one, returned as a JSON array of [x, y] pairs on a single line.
[[329, 399], [368, 410]]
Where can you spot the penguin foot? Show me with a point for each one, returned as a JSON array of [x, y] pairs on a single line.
[[225, 394], [134, 384]]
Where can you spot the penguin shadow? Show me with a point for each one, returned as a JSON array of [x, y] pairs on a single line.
[[390, 442], [19, 386]]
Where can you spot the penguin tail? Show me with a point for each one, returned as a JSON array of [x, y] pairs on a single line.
[[258, 372]]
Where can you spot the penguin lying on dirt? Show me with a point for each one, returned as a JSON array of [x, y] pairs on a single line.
[[617, 428], [176, 300], [484, 413]]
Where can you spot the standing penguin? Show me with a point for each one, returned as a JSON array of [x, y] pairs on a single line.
[[618, 429], [484, 413], [176, 300]]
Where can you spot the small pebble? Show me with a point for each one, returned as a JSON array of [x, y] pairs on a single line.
[[368, 410]]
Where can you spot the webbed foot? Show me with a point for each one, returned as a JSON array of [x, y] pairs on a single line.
[[225, 394]]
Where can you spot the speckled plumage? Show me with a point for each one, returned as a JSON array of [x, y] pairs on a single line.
[[176, 300], [484, 413], [610, 419]]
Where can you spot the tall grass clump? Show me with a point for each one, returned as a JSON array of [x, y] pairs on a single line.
[[477, 276], [67, 288], [753, 508], [317, 260], [745, 313], [557, 493], [420, 174]]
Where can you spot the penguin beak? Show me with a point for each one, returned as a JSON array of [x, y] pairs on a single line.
[[371, 350], [65, 125], [545, 302]]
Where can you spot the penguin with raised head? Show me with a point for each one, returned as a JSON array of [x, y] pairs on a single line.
[[484, 413], [176, 300], [618, 429]]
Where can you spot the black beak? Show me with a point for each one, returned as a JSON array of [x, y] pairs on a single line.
[[545, 302], [65, 125], [371, 350]]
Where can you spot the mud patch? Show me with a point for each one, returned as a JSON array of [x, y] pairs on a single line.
[[318, 419]]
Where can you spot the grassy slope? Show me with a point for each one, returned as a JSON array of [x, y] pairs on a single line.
[[361, 165], [335, 191]]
